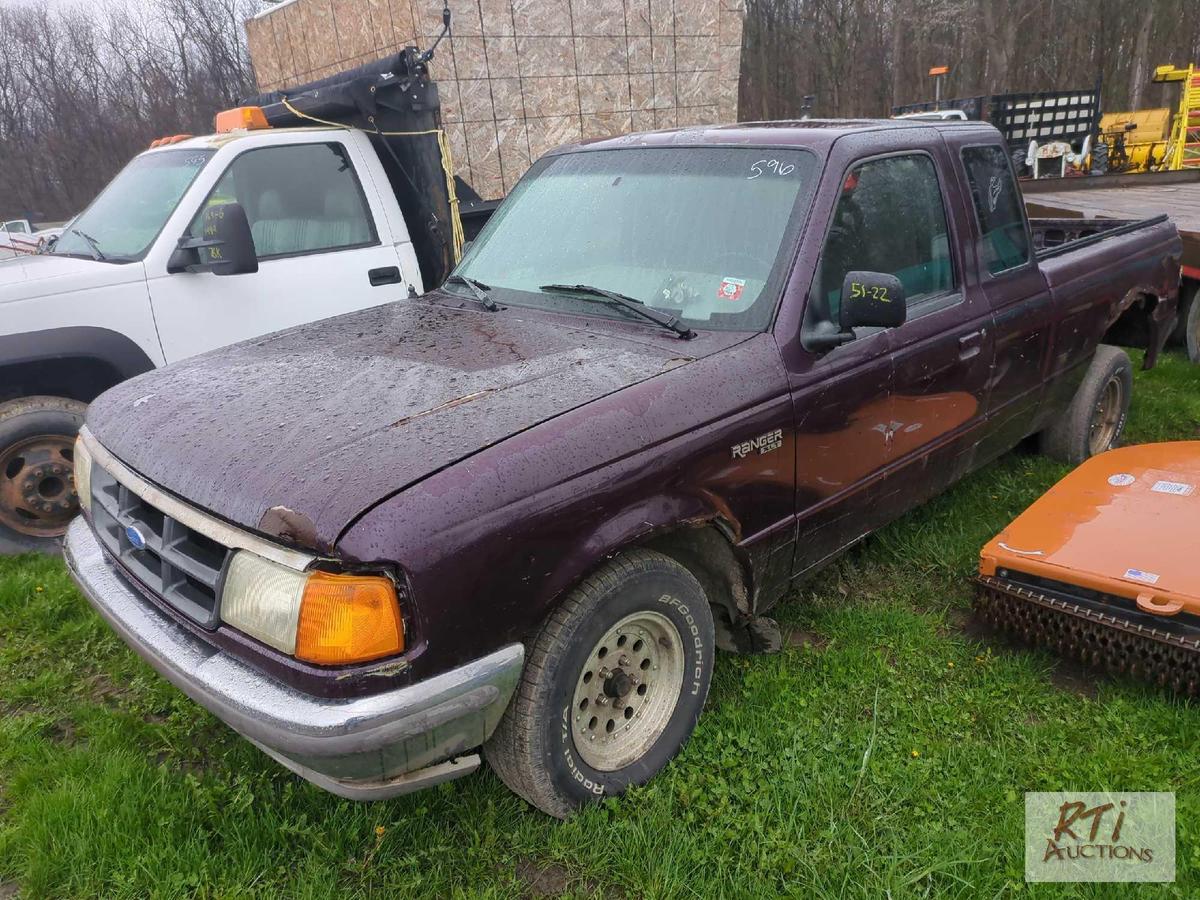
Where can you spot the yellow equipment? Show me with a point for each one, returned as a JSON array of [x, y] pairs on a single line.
[[1183, 151], [1137, 141]]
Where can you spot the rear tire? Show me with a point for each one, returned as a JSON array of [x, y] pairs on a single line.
[[1189, 321], [37, 479], [1095, 420], [612, 687]]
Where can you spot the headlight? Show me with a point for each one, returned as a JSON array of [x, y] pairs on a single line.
[[262, 598], [82, 461], [316, 616]]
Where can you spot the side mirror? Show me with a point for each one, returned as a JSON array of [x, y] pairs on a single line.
[[871, 300], [225, 247]]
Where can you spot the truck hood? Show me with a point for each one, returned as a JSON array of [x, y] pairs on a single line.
[[296, 434], [25, 277]]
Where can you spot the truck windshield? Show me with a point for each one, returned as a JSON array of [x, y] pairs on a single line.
[[122, 223], [699, 232]]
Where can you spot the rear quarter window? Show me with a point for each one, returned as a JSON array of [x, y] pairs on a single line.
[[1004, 239]]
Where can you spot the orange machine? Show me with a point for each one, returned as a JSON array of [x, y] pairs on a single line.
[[1100, 567]]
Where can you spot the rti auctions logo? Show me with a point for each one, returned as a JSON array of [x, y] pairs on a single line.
[[1075, 814], [1099, 837]]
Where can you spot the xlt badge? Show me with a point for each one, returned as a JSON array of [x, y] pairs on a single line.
[[764, 443]]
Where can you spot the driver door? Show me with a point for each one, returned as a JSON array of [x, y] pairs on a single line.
[[318, 247]]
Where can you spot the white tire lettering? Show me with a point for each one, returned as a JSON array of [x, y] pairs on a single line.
[[588, 784], [698, 643]]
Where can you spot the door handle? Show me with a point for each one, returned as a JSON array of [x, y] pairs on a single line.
[[384, 275], [969, 345]]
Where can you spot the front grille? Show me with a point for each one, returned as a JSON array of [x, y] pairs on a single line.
[[178, 563]]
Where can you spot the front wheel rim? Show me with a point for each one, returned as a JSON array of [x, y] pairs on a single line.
[[37, 485], [1106, 417], [627, 691]]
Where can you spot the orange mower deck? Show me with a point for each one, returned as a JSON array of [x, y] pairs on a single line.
[[1105, 566]]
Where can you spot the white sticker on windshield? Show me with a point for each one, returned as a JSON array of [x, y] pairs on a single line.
[[1173, 487]]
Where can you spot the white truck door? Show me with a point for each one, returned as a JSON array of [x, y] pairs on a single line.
[[324, 248]]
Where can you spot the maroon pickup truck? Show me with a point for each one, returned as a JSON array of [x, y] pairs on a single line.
[[675, 373]]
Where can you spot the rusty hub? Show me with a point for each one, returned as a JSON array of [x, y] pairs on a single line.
[[1107, 642], [1106, 417], [37, 485]]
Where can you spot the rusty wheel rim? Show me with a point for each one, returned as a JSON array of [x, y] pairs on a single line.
[[37, 485], [1106, 418]]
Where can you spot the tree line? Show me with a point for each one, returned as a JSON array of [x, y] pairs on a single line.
[[82, 89], [862, 57]]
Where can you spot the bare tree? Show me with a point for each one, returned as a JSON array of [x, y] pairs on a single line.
[[861, 57], [82, 91]]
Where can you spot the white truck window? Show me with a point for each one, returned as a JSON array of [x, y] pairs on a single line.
[[301, 198], [123, 222]]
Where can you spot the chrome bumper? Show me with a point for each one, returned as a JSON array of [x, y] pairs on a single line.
[[365, 748]]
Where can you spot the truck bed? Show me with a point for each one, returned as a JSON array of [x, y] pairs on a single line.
[[1120, 199], [1053, 237]]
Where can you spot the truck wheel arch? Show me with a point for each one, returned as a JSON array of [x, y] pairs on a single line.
[[1138, 321], [77, 362], [700, 539]]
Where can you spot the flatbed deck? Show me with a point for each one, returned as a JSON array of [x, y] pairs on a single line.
[[1125, 197]]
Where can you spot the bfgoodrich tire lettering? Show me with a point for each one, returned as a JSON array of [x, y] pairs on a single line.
[[535, 749]]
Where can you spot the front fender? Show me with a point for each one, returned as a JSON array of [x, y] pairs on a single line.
[[78, 361]]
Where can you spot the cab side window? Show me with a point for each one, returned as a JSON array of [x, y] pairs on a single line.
[[1004, 240], [889, 219], [303, 198]]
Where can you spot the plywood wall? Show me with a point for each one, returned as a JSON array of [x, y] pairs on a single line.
[[519, 77]]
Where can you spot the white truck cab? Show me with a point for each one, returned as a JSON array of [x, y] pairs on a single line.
[[15, 236], [328, 232], [200, 242]]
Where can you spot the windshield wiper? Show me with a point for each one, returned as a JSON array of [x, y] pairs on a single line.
[[632, 304], [93, 243], [479, 289]]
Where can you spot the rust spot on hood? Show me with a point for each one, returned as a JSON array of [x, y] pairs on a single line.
[[449, 404], [289, 525]]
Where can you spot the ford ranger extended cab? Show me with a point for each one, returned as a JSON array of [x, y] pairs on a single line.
[[675, 373], [339, 219]]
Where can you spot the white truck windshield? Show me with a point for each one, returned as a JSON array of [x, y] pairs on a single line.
[[697, 232], [122, 223]]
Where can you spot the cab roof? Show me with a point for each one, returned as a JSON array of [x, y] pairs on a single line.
[[811, 133], [213, 141]]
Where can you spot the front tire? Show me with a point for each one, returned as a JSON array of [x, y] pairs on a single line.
[[1095, 420], [37, 480], [612, 688]]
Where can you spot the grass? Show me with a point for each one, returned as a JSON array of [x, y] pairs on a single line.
[[886, 757]]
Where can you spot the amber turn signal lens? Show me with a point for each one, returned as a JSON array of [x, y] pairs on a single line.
[[348, 619]]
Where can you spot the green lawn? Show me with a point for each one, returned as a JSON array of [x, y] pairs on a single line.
[[887, 755]]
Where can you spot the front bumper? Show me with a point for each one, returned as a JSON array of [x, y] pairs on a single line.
[[366, 748]]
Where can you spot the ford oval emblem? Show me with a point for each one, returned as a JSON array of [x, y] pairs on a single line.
[[136, 538]]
